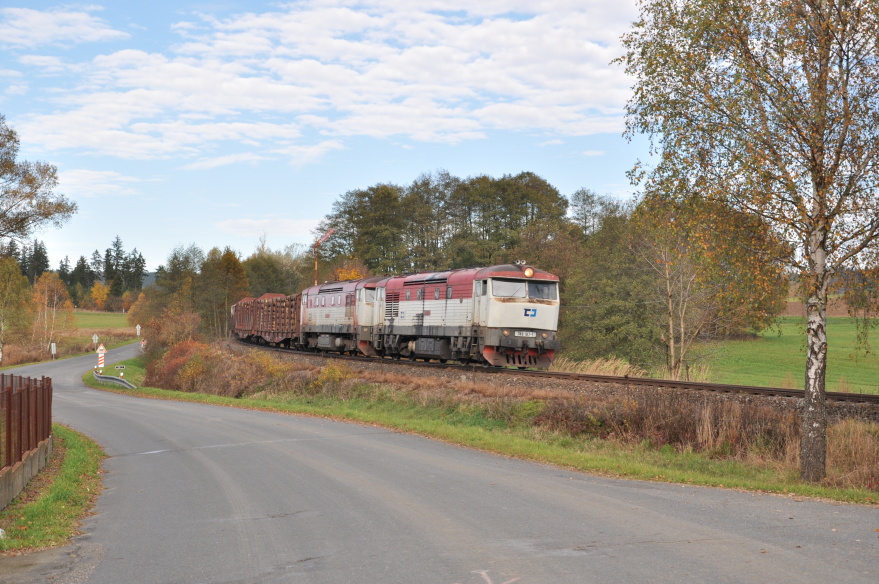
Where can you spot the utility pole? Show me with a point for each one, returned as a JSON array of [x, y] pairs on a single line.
[[317, 244]]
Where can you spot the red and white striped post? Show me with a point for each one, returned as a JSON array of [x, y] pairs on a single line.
[[101, 351]]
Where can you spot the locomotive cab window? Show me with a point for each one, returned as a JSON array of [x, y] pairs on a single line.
[[524, 289], [436, 293], [448, 292], [543, 290]]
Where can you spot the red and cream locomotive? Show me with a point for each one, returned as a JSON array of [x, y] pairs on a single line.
[[503, 315]]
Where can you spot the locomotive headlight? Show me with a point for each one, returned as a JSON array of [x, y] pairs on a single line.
[[506, 333], [529, 272], [544, 335]]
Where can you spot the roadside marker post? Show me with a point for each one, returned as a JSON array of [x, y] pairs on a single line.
[[101, 352]]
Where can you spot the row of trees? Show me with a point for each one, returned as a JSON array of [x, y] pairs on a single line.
[[643, 282], [194, 290], [440, 221], [652, 279], [104, 282]]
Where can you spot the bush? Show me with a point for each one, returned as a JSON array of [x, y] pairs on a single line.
[[168, 370], [197, 367]]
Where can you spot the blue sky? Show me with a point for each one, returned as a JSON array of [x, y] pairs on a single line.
[[215, 123]]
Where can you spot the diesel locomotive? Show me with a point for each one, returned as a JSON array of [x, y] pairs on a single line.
[[504, 315]]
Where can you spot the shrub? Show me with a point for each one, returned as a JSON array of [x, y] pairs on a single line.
[[166, 370]]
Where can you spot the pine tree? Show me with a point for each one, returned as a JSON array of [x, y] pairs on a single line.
[[64, 271]]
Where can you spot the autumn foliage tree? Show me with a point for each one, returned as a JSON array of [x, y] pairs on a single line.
[[15, 302], [772, 108], [716, 271], [350, 269], [53, 310], [27, 191], [279, 271], [98, 295], [221, 283]]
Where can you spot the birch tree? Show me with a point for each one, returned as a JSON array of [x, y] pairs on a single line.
[[15, 296], [53, 309], [716, 272], [27, 191], [772, 107]]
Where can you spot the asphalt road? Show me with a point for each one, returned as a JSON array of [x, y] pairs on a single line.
[[206, 494]]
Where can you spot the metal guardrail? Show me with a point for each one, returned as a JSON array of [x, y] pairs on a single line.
[[112, 379], [25, 416]]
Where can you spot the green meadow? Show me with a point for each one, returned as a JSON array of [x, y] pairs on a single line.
[[777, 358], [100, 320]]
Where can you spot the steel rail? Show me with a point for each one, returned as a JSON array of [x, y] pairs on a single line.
[[610, 379]]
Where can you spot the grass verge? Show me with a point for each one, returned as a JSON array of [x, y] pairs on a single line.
[[47, 513]]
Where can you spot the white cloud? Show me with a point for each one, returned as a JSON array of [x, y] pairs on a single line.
[[301, 155], [218, 161], [28, 28], [96, 183], [16, 89], [286, 228], [446, 72], [48, 64]]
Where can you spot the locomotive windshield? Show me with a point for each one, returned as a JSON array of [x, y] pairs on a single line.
[[524, 289]]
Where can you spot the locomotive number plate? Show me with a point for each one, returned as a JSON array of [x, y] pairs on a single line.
[[525, 334]]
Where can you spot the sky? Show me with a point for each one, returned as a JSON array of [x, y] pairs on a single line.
[[221, 122]]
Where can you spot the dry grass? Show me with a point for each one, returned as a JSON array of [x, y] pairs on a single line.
[[616, 367], [721, 428], [853, 454], [660, 418], [74, 342], [19, 354]]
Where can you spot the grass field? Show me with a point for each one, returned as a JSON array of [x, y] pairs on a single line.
[[112, 330], [779, 360], [100, 320]]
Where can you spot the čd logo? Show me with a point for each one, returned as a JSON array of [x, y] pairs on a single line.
[[530, 312]]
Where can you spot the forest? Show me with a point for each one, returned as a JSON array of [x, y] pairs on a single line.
[[645, 282], [37, 303]]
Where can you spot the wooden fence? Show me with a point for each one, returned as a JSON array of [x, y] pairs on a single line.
[[25, 431]]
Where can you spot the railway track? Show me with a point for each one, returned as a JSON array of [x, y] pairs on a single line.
[[610, 379]]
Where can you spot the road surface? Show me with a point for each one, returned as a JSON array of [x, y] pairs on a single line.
[[198, 494]]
